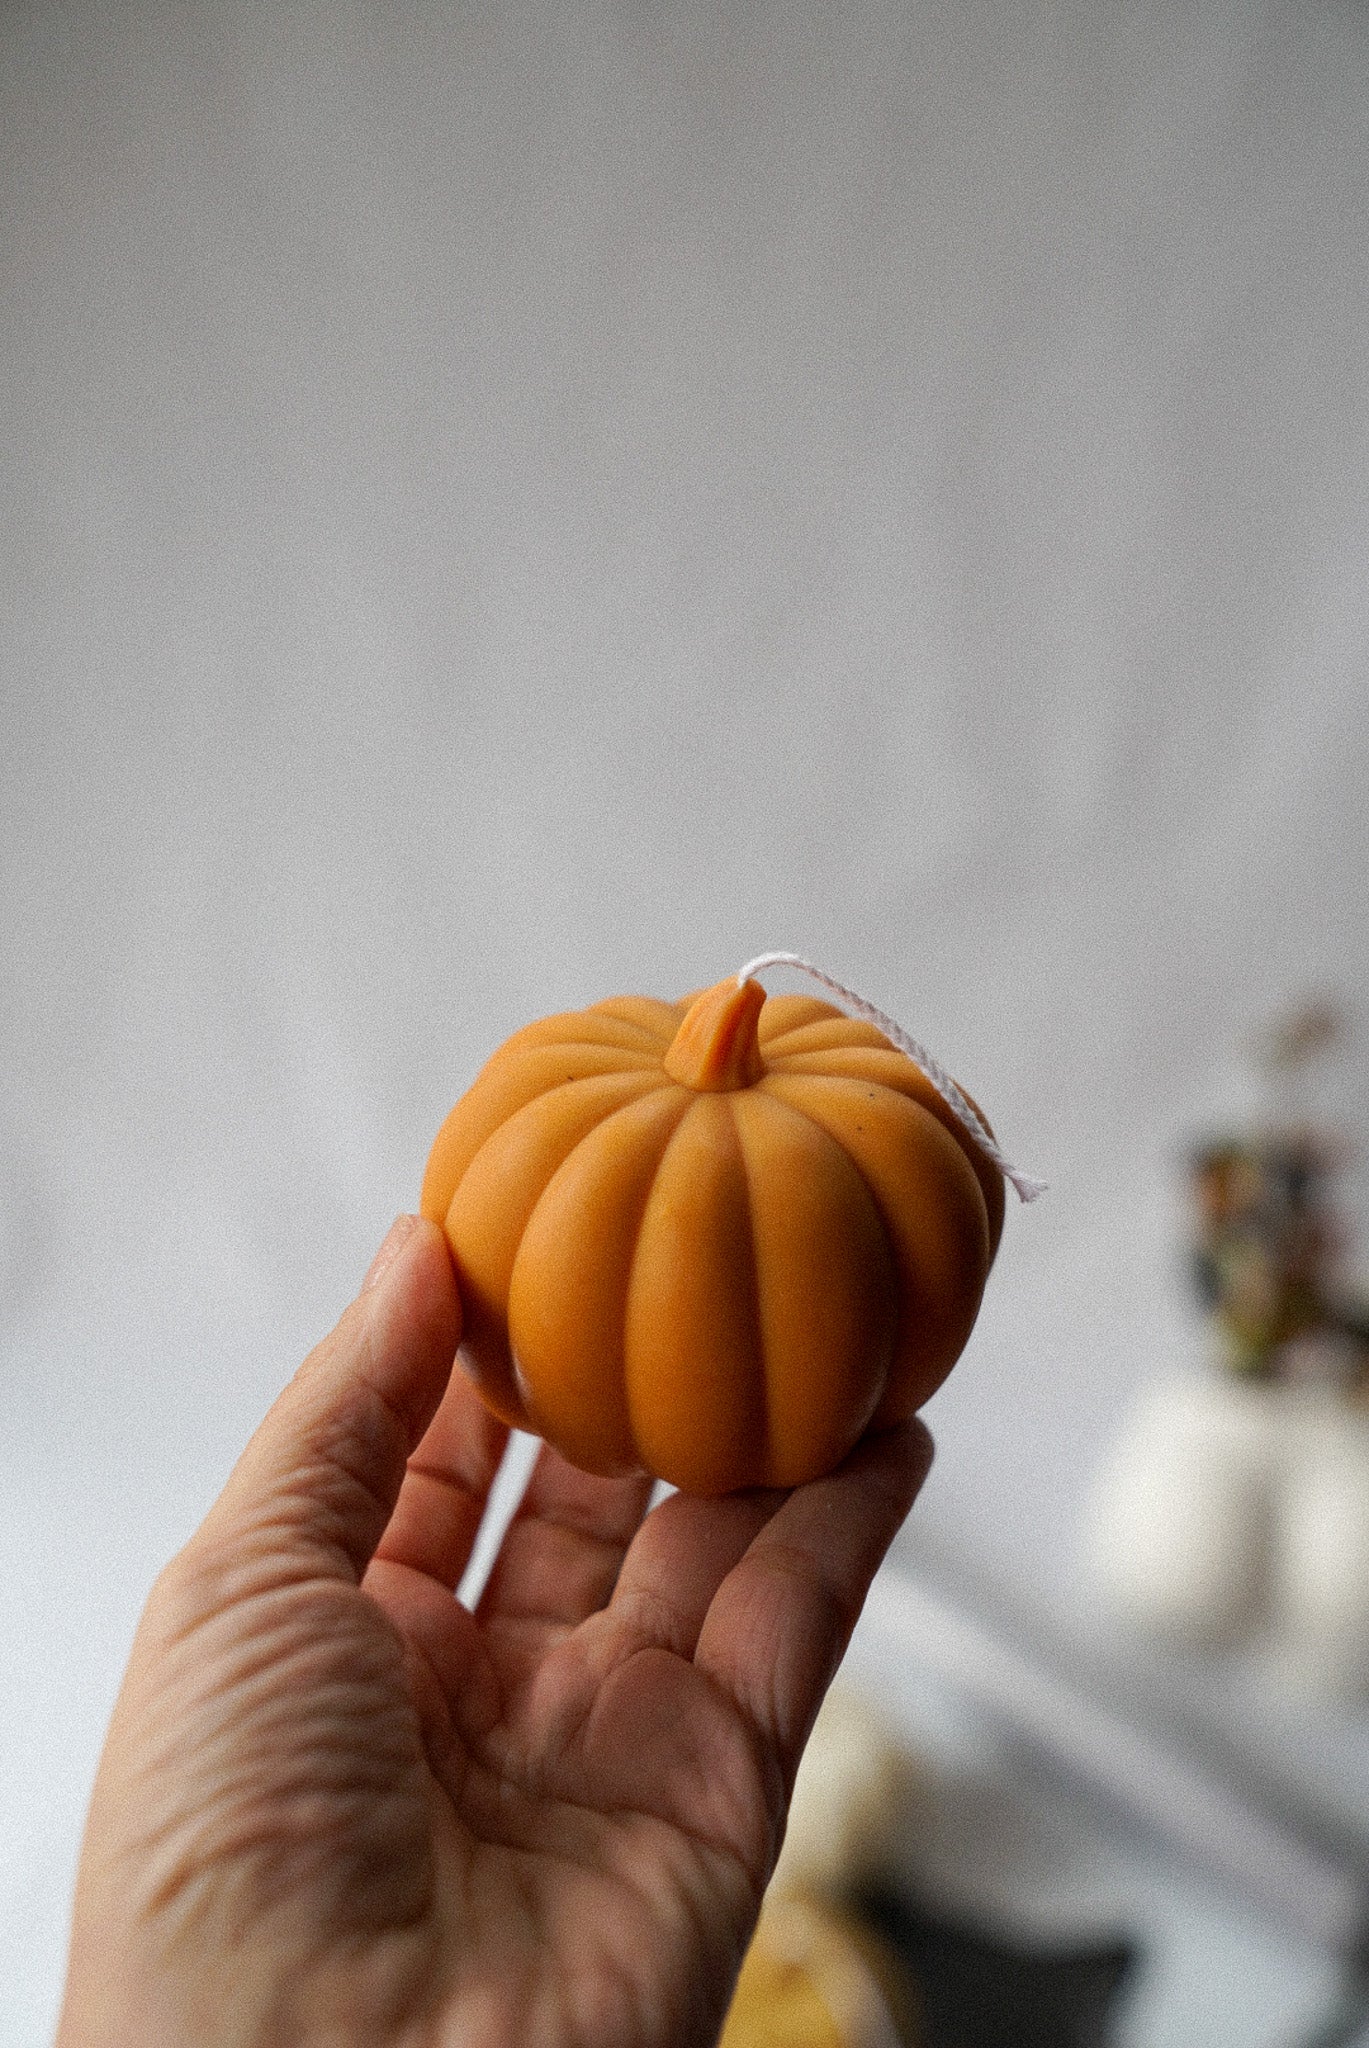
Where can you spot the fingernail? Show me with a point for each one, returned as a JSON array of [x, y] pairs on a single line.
[[395, 1239]]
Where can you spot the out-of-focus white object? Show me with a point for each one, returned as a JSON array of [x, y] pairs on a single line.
[[1177, 1529], [855, 1789], [1320, 1561], [1229, 1514]]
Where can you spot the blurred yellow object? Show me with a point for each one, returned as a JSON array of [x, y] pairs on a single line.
[[812, 1979]]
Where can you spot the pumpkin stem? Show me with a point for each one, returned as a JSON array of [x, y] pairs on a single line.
[[716, 1047]]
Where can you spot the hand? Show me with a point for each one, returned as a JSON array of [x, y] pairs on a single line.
[[335, 1806]]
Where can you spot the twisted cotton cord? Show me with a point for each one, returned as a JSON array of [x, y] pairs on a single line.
[[1026, 1184]]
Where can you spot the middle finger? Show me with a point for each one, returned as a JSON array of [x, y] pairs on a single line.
[[564, 1548]]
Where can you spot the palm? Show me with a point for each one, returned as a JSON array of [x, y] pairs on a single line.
[[611, 1793], [336, 1805]]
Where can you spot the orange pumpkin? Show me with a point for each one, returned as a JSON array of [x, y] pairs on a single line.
[[714, 1240]]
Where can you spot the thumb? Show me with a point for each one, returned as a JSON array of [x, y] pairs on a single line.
[[318, 1482]]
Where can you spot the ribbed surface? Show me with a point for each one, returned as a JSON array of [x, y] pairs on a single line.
[[721, 1286]]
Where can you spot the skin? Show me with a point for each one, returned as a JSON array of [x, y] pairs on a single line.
[[335, 1807]]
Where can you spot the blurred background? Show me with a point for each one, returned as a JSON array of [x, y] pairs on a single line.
[[511, 504]]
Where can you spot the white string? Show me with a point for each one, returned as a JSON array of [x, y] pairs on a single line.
[[1026, 1184]]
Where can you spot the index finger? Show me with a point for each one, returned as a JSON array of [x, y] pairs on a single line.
[[778, 1626], [446, 1487]]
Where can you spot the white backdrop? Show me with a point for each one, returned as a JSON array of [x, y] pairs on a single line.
[[507, 505]]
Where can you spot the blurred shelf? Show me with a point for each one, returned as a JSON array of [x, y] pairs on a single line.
[[1182, 1801]]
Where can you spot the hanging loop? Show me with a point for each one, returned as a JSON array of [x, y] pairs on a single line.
[[1026, 1184]]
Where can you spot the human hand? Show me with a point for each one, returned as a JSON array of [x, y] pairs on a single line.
[[335, 1806]]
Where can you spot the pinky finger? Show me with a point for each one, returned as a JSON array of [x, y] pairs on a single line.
[[779, 1623]]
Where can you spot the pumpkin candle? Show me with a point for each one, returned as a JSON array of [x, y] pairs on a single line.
[[714, 1240]]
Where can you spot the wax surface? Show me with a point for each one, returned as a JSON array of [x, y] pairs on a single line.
[[715, 1240]]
